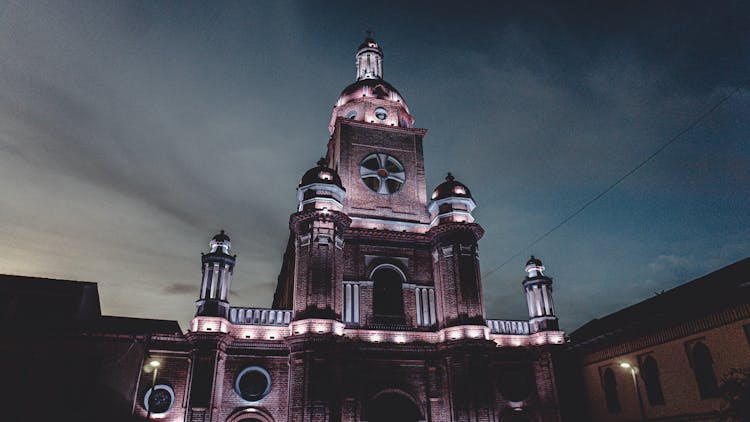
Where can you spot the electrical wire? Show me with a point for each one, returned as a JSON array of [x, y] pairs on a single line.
[[664, 146]]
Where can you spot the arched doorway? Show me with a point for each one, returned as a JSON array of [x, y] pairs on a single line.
[[250, 414], [392, 407], [387, 296]]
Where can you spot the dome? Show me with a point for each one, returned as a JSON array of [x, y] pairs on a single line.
[[221, 237], [534, 261], [370, 88], [450, 188], [221, 243], [321, 174], [370, 43]]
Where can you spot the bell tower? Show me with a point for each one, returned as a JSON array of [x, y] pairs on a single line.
[[376, 151]]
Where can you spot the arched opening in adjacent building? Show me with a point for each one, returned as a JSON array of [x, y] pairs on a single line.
[[387, 296], [703, 368], [610, 391], [650, 370], [392, 407]]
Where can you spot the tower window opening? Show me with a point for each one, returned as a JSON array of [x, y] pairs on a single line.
[[388, 300]]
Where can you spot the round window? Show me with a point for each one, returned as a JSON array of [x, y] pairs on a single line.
[[382, 173], [159, 399], [253, 383], [351, 114], [380, 113]]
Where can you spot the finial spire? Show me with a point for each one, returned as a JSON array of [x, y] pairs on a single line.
[[369, 33], [449, 177], [322, 162]]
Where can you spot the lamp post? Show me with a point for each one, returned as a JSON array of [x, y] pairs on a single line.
[[637, 387], [154, 364]]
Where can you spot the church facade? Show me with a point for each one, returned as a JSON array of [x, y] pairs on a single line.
[[378, 314]]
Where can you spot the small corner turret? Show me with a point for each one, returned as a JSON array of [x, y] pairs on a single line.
[[538, 288], [320, 189], [217, 268], [317, 229], [451, 202]]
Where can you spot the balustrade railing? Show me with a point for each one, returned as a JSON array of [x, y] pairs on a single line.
[[501, 326], [260, 316]]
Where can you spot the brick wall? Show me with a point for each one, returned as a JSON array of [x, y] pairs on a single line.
[[729, 349]]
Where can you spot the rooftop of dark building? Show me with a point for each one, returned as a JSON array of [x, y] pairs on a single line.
[[726, 288]]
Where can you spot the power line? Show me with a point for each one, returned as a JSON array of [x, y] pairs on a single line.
[[674, 138]]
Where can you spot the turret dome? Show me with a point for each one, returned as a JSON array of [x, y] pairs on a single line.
[[220, 242], [321, 174], [450, 188], [534, 261]]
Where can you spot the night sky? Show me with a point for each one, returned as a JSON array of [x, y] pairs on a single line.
[[131, 132]]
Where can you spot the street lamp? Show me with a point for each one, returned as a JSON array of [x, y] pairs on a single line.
[[154, 364], [626, 365]]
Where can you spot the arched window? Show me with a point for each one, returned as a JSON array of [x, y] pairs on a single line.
[[610, 391], [652, 381], [392, 407], [703, 367], [387, 297]]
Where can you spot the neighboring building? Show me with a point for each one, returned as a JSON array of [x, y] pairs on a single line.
[[378, 314], [678, 345], [61, 359]]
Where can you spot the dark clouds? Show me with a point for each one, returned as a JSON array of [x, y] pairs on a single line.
[[131, 132]]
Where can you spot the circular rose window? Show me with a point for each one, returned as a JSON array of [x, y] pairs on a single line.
[[253, 383], [382, 173]]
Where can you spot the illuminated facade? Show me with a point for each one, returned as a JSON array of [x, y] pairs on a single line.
[[378, 314]]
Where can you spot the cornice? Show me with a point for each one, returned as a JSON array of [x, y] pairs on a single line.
[[414, 131]]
